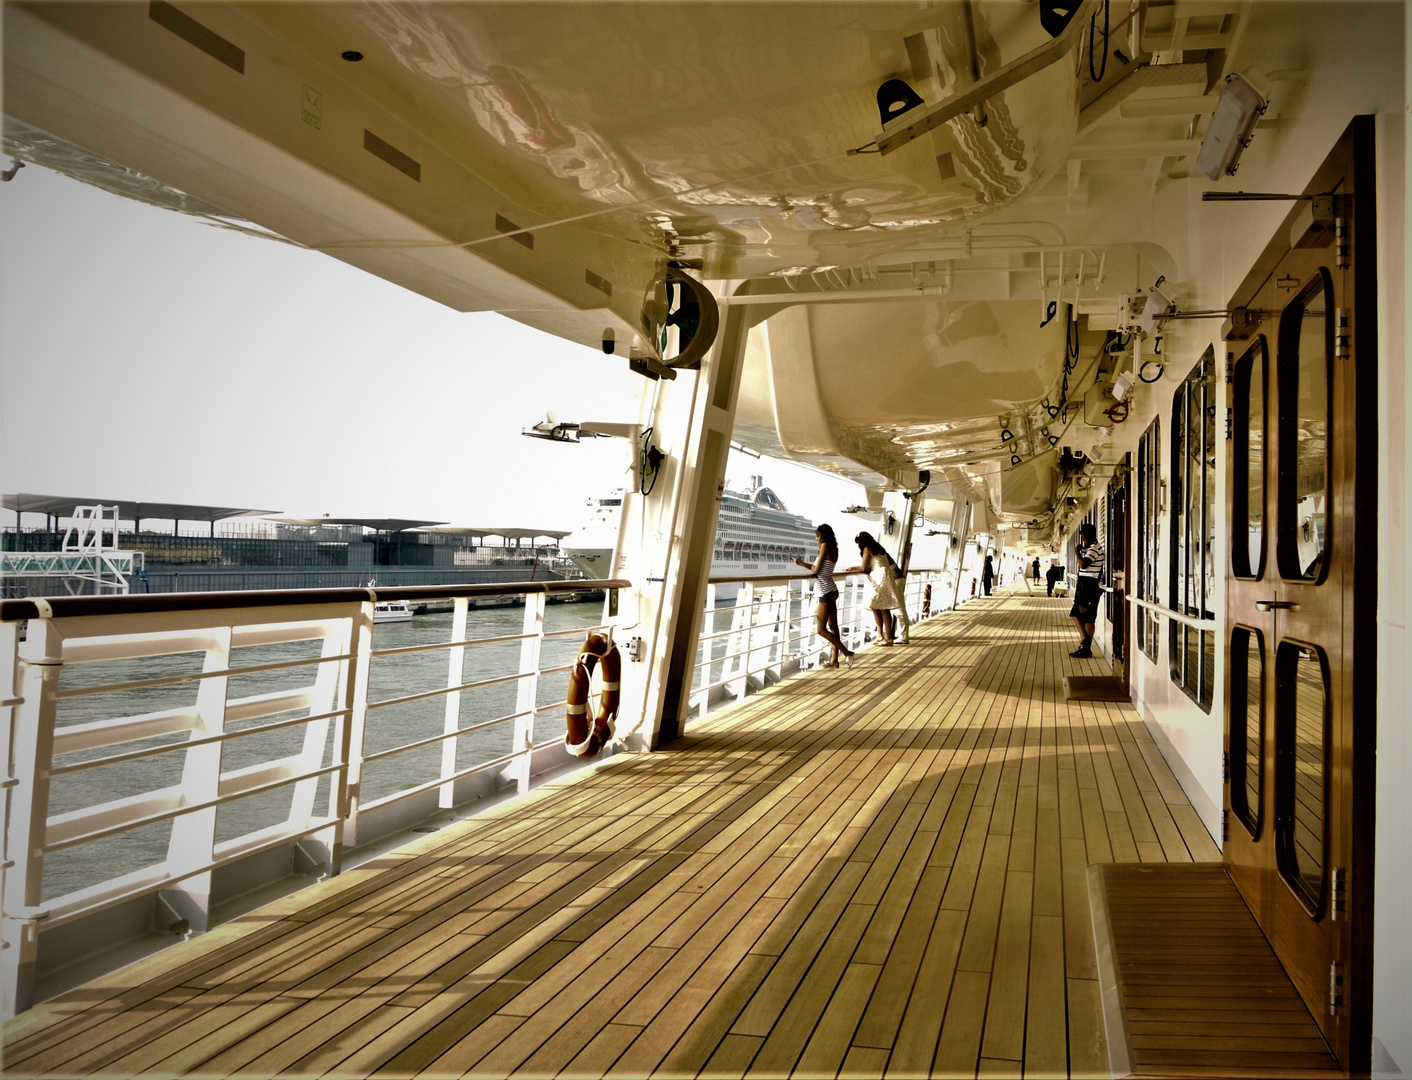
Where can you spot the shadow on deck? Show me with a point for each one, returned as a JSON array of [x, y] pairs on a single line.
[[875, 871]]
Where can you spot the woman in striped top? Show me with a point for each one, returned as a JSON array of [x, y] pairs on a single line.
[[826, 594], [1088, 589]]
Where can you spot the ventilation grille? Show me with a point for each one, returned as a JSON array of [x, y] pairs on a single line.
[[192, 32], [505, 225], [396, 158]]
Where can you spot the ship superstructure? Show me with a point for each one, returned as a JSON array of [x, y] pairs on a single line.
[[756, 535]]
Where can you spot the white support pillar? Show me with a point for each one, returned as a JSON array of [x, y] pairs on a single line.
[[899, 545], [193, 836], [960, 537], [667, 536], [452, 719]]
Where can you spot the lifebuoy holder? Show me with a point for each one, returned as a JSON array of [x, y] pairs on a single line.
[[601, 728]]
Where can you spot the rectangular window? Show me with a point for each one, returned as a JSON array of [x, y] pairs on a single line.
[[1193, 555], [1146, 514]]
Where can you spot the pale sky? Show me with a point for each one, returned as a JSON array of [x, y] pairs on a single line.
[[147, 356]]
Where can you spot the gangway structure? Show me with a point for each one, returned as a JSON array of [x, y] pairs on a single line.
[[89, 555]]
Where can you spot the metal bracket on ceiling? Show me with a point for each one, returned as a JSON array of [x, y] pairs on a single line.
[[978, 93]]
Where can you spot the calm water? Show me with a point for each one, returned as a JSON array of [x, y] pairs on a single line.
[[87, 864]]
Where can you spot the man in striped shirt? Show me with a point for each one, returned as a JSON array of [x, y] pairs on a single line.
[[1087, 591]]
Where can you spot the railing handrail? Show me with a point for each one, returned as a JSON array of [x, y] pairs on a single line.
[[1198, 621], [143, 603], [780, 579]]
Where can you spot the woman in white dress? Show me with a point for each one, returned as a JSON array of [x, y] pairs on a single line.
[[882, 572]]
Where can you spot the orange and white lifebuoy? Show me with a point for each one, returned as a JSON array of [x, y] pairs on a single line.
[[595, 732]]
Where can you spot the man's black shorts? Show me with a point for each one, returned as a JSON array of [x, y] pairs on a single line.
[[1087, 593]]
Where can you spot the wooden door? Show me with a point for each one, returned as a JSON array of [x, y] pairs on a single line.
[[1115, 540], [1300, 657]]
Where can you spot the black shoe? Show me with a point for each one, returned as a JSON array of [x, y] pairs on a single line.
[[1082, 653]]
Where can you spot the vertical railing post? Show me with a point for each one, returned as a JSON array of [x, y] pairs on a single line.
[[455, 666], [9, 709], [779, 631], [808, 645], [193, 837], [849, 628], [32, 756], [706, 651], [527, 688], [311, 756], [752, 626], [354, 698], [741, 639], [731, 658]]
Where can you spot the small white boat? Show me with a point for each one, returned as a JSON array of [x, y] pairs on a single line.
[[392, 611]]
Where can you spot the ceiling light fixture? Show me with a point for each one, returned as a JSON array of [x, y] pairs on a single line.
[[1231, 126]]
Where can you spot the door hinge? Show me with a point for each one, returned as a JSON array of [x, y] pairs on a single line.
[[1229, 414], [1343, 241], [1230, 367], [1225, 825], [1342, 333], [1226, 765], [1335, 987], [1338, 894]]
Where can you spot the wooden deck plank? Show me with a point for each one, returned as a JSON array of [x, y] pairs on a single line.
[[959, 1048], [937, 980], [711, 1026], [1005, 1013], [827, 1048], [1046, 1045]]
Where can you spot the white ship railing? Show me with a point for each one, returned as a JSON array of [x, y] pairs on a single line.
[[769, 631], [297, 756]]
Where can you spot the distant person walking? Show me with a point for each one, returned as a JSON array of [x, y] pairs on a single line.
[[987, 575], [1035, 568], [883, 574], [826, 594], [1087, 590], [1053, 576]]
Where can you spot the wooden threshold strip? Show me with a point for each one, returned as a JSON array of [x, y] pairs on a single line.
[[1191, 987]]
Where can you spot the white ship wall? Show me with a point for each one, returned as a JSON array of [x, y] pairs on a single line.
[[1392, 856]]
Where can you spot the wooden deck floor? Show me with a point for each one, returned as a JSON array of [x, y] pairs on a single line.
[[876, 871]]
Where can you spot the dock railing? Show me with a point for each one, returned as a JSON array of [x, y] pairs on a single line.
[[260, 729], [757, 630]]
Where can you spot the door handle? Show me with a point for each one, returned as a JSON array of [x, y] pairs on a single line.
[[1275, 605]]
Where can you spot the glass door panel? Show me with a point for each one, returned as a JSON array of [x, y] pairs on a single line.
[[1306, 347], [1248, 456], [1247, 739], [1301, 765]]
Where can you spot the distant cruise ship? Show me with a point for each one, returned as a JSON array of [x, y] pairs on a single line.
[[756, 535]]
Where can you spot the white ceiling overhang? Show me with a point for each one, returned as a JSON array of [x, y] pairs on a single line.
[[546, 160]]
